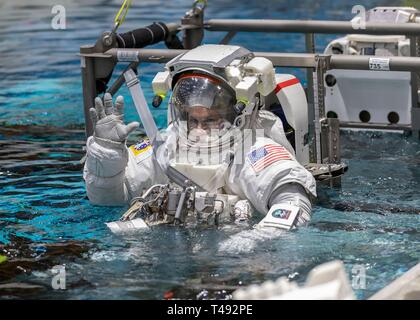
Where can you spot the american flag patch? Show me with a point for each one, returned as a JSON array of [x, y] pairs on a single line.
[[266, 155]]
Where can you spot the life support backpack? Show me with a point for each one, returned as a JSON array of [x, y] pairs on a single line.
[[289, 105]]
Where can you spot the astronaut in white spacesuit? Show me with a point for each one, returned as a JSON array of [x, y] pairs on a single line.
[[261, 168]]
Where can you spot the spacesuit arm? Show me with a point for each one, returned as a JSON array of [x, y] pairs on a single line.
[[290, 206], [114, 173], [280, 184], [104, 173]]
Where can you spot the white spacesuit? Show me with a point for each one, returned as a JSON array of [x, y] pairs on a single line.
[[225, 142]]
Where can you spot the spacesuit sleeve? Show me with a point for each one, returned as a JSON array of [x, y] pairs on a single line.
[[115, 174], [293, 194], [264, 172]]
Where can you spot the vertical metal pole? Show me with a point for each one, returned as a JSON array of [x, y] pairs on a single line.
[[310, 48], [193, 36], [89, 90], [330, 146], [327, 131], [415, 108], [319, 102], [317, 125], [330, 140]]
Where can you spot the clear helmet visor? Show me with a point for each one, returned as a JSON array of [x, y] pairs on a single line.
[[203, 104], [203, 114]]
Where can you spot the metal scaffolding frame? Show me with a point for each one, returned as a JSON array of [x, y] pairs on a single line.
[[97, 60], [312, 27]]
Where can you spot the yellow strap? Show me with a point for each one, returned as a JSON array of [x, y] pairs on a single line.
[[203, 2], [124, 7]]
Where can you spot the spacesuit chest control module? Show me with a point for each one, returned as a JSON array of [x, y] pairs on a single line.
[[223, 155]]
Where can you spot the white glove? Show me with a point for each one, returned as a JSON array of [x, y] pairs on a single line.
[[110, 130], [242, 211]]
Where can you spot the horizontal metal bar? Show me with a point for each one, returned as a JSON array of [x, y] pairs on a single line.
[[297, 60], [378, 126], [362, 62], [310, 26], [148, 55], [173, 27]]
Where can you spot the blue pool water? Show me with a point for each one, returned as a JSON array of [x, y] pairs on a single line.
[[46, 219]]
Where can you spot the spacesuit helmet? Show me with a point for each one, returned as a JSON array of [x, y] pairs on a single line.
[[216, 92], [204, 102]]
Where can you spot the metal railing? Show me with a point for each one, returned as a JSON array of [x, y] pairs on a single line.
[[310, 26], [296, 60], [98, 57]]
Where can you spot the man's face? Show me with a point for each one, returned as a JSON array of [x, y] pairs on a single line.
[[202, 119]]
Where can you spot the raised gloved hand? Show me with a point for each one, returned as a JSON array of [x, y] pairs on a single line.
[[108, 123]]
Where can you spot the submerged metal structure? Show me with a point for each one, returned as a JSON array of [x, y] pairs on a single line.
[[99, 60]]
